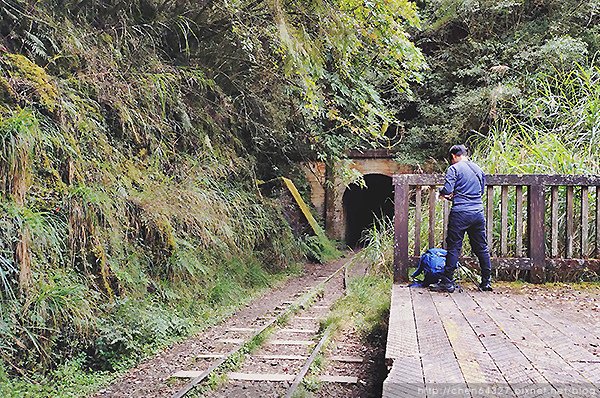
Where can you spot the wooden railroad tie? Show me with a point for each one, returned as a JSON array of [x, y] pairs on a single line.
[[308, 331], [241, 330], [271, 342], [190, 374], [337, 358]]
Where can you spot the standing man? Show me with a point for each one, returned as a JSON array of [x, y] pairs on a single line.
[[464, 186]]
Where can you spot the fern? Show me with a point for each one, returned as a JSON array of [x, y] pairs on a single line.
[[35, 45], [8, 278]]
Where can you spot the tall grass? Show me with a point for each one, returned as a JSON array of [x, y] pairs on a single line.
[[553, 128], [378, 251]]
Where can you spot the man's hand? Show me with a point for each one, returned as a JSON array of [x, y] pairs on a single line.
[[447, 197]]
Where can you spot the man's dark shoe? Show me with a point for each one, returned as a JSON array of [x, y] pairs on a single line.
[[442, 287], [485, 287]]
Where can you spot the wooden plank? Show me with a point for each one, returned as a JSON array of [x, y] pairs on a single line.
[[241, 329], [431, 216], [346, 358], [513, 263], [187, 374], [585, 209], [401, 233], [281, 357], [553, 347], [579, 330], [515, 367], [489, 217], [476, 363], [501, 263], [195, 381], [569, 223], [568, 314], [402, 381], [210, 355], [231, 341], [568, 265], [535, 231], [554, 221], [402, 333], [338, 379], [440, 365], [277, 377], [198, 379], [597, 222], [290, 342], [418, 218], [542, 360], [308, 331], [260, 376], [405, 379], [306, 318], [524, 263], [519, 221], [418, 179], [504, 221], [549, 180], [446, 211]]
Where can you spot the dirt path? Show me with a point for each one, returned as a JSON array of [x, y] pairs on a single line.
[[150, 378]]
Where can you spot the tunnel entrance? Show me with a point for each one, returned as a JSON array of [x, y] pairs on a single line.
[[362, 205]]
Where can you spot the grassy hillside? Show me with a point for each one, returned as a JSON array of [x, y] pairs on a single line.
[[133, 137]]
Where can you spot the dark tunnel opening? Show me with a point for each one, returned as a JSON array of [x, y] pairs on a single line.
[[363, 205]]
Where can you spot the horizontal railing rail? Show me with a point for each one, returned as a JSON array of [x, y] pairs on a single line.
[[518, 204]]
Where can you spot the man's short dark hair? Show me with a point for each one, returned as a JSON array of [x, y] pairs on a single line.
[[459, 150]]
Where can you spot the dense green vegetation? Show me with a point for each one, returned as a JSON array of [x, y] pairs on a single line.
[[134, 134], [503, 73], [133, 137]]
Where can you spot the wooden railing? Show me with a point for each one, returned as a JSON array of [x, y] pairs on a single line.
[[526, 246]]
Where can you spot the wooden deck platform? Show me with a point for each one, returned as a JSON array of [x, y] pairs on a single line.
[[476, 344]]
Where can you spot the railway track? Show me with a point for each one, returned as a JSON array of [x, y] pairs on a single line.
[[270, 356]]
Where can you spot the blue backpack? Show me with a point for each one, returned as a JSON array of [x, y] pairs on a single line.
[[431, 265]]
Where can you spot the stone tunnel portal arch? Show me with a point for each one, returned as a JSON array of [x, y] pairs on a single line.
[[363, 205]]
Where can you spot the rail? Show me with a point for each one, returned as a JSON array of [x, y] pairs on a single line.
[[281, 318], [518, 203]]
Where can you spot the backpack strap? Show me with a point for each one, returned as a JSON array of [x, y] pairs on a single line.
[[474, 170], [419, 269]]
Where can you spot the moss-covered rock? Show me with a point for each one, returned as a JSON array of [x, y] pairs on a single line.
[[29, 82]]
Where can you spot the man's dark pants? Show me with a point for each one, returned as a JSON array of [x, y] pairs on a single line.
[[473, 223]]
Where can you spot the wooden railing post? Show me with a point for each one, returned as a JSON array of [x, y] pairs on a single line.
[[535, 231], [401, 190], [597, 252]]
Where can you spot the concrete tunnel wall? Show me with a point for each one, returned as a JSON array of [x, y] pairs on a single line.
[[327, 192]]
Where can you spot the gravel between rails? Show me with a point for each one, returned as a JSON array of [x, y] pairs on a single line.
[[151, 377]]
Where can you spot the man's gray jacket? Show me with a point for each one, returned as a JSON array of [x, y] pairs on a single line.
[[466, 181]]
